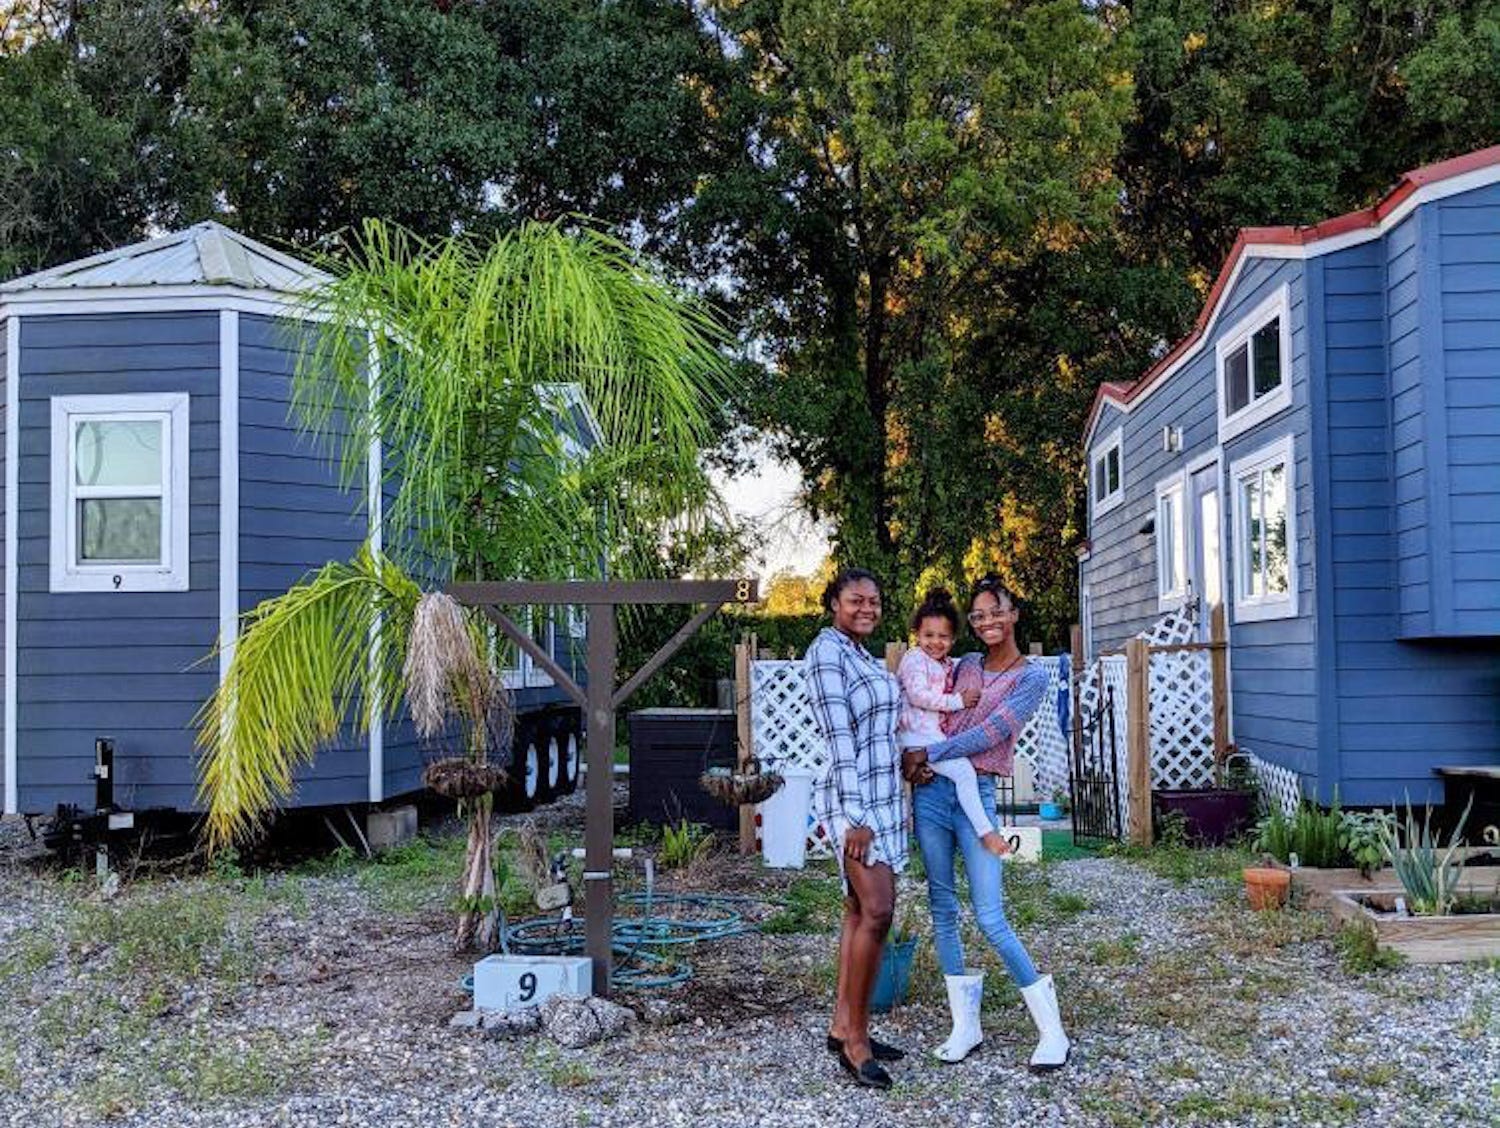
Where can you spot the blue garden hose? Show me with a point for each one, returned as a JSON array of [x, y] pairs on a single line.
[[666, 919]]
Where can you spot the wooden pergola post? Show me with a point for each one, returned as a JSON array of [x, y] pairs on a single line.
[[601, 700], [1138, 738]]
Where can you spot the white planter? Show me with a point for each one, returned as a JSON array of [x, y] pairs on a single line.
[[783, 822]]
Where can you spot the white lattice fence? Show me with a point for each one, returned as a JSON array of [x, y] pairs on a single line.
[[1043, 744], [1279, 787], [1182, 719]]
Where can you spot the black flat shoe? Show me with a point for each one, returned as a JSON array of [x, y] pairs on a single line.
[[869, 1075], [878, 1049]]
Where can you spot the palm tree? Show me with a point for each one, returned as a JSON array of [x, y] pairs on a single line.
[[457, 356]]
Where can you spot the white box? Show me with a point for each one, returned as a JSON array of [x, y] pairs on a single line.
[[1025, 843], [507, 983]]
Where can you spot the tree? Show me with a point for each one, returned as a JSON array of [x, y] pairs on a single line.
[[474, 342], [908, 166]]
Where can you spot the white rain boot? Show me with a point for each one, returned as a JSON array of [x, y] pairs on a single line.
[[965, 993], [1053, 1049]]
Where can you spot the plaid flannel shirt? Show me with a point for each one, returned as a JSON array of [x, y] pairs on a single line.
[[856, 703]]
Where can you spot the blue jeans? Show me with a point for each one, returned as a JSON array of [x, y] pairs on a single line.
[[942, 825]]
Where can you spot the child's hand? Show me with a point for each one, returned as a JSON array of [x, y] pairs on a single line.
[[970, 698]]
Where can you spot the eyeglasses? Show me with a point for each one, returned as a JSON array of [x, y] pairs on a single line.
[[981, 618]]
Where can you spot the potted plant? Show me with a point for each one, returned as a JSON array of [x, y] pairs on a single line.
[[1055, 809], [896, 959], [1213, 815], [1267, 884]]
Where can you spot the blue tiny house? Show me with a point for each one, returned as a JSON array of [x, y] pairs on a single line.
[[155, 488], [1322, 455]]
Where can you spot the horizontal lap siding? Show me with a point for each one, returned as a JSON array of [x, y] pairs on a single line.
[[1276, 716], [294, 518], [127, 666], [1398, 708], [1273, 664], [1469, 285]]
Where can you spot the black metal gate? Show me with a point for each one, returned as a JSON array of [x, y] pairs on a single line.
[[1093, 778]]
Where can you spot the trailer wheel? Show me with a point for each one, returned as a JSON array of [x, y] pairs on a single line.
[[572, 752], [526, 768]]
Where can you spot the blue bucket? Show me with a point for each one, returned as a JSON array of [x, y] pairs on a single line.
[[1050, 810], [894, 975]]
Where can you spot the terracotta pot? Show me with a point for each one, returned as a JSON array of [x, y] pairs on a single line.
[[1266, 888]]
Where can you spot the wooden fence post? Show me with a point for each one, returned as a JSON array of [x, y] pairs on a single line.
[[1138, 738], [1218, 657], [742, 652]]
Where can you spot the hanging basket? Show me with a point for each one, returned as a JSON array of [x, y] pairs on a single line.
[[459, 778], [735, 790]]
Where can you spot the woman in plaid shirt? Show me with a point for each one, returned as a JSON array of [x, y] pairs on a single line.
[[861, 802]]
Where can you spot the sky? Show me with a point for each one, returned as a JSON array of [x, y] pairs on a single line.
[[766, 500]]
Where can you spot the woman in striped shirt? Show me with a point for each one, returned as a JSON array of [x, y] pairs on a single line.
[[1010, 690], [856, 701]]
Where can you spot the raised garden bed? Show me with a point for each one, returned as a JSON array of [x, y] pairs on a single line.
[[1428, 939]]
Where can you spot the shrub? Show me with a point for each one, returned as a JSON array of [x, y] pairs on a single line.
[[1314, 835], [684, 844]]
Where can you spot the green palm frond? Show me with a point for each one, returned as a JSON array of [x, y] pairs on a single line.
[[300, 675], [472, 342]]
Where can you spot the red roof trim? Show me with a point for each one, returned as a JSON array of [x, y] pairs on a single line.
[[1292, 237]]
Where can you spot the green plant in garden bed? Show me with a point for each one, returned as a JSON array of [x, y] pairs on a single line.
[[1429, 875], [1314, 835], [1361, 835]]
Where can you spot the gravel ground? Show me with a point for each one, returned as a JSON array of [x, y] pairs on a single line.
[[321, 996]]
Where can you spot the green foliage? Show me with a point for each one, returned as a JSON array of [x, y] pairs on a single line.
[[1430, 874], [684, 844], [810, 905], [1315, 836], [1361, 835], [1360, 951]]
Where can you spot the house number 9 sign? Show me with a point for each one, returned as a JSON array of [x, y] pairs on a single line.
[[507, 983]]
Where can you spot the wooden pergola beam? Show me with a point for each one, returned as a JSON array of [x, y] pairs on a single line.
[[600, 699]]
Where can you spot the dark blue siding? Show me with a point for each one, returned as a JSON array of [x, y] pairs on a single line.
[[294, 518], [1468, 286], [1392, 710], [101, 664]]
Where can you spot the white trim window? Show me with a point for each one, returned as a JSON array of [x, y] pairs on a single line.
[[1255, 366], [1107, 473], [119, 518], [1265, 533], [521, 669], [1171, 543]]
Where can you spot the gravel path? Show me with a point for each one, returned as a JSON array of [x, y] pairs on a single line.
[[321, 997]]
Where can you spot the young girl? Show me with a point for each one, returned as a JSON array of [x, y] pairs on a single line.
[[924, 674]]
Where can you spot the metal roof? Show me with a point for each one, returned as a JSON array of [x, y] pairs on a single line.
[[206, 254]]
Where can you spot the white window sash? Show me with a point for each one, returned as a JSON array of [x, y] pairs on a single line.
[[66, 573], [1258, 408], [1255, 468], [1171, 542], [1100, 455]]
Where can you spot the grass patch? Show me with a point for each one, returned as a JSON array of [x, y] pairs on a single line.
[[1361, 954], [1068, 904], [1116, 951], [810, 905], [1058, 846], [1180, 863], [163, 936]]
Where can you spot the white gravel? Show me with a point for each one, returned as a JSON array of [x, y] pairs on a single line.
[[320, 1004]]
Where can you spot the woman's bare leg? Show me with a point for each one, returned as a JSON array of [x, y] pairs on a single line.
[[873, 892], [840, 1027]]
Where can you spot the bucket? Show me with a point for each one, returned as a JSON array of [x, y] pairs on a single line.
[[895, 972], [783, 822]]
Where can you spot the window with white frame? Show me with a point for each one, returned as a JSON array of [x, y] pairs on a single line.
[[521, 670], [1265, 533], [1107, 473], [1171, 543], [1254, 365], [119, 496]]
